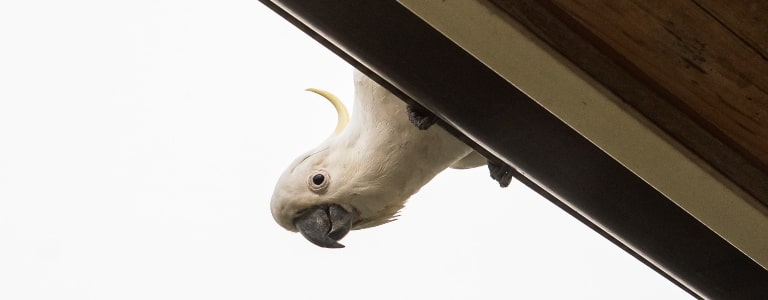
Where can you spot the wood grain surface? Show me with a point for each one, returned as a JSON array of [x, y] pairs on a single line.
[[697, 69]]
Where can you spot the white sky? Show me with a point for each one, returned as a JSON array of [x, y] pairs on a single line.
[[140, 142]]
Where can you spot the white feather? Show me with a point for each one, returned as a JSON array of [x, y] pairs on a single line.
[[375, 164]]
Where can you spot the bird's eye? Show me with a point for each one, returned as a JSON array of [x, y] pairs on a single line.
[[318, 181]]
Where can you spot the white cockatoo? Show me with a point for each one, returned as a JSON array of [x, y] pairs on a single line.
[[362, 175]]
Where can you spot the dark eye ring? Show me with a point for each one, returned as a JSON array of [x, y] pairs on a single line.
[[318, 181]]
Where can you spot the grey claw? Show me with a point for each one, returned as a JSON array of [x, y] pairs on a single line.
[[502, 173], [422, 118]]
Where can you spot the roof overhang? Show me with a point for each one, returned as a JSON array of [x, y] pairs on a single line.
[[510, 96]]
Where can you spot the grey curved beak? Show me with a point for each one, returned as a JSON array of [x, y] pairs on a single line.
[[325, 225]]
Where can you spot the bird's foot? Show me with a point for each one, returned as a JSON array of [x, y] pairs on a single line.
[[422, 118], [501, 172]]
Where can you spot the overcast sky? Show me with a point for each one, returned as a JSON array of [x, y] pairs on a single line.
[[140, 142]]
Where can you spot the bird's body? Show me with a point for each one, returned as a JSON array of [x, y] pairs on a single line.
[[368, 170]]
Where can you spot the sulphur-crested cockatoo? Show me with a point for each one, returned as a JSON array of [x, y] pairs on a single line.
[[362, 175]]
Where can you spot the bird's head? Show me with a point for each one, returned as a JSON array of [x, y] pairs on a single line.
[[332, 189]]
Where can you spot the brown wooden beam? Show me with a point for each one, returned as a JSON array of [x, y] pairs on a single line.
[[710, 72], [655, 68]]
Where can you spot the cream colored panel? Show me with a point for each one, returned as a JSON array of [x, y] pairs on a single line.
[[507, 48]]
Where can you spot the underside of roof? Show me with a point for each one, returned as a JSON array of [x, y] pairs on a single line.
[[647, 120]]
